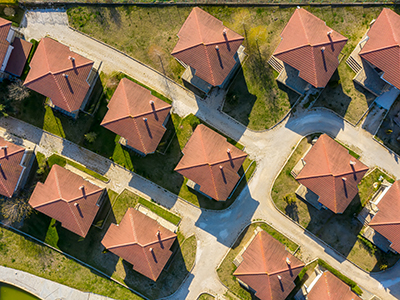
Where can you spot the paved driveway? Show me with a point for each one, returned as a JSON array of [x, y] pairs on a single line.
[[216, 231]]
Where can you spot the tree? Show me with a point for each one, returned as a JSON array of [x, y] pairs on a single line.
[[90, 137], [15, 209], [17, 91]]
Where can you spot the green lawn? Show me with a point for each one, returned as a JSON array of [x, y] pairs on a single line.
[[226, 269], [128, 199], [205, 296], [338, 230]]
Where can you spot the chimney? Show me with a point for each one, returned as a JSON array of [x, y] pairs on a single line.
[[352, 162], [158, 233], [151, 250], [145, 119], [71, 58], [76, 204], [228, 150], [216, 48], [288, 261], [322, 49], [224, 32], [279, 277], [151, 102], [329, 32], [221, 167], [65, 75], [82, 187], [344, 178], [3, 147]]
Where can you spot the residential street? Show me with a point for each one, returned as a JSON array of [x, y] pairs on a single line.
[[215, 230]]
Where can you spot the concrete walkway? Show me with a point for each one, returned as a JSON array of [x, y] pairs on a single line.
[[215, 230], [43, 288]]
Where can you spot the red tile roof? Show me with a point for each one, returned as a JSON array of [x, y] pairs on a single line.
[[329, 174], [10, 167], [137, 116], [18, 57], [198, 38], [207, 162], [383, 46], [5, 27], [62, 198], [307, 47], [329, 287], [135, 239], [60, 74], [263, 261], [387, 220]]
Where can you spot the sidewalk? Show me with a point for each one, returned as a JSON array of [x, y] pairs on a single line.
[[44, 288]]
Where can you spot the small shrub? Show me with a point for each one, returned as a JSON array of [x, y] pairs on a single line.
[[9, 11], [367, 243], [90, 137], [290, 198], [383, 267]]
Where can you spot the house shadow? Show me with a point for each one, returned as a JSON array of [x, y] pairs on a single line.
[[216, 222], [172, 276]]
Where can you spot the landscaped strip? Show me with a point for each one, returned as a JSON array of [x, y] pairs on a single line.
[[62, 161], [227, 267], [159, 210]]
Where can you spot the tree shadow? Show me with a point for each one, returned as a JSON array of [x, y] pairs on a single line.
[[389, 131]]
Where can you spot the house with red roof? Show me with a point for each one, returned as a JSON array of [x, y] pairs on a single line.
[[209, 51], [142, 242], [137, 116], [308, 52], [329, 171], [328, 287], [211, 163], [61, 75], [14, 51], [15, 163], [267, 268], [69, 199], [385, 219]]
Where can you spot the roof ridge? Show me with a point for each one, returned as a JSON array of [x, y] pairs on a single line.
[[327, 284], [71, 68], [131, 221], [3, 185], [191, 166], [228, 159], [13, 153], [158, 240], [263, 254], [148, 262], [139, 135], [380, 49], [209, 64], [89, 194], [391, 27], [61, 91], [302, 25], [213, 181], [384, 223], [57, 183], [150, 111], [76, 219]]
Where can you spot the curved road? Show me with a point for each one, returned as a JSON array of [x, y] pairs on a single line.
[[217, 230]]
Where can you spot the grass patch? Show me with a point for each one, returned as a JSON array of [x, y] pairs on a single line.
[[10, 10], [162, 212], [338, 230], [354, 287], [206, 296], [22, 254], [226, 269], [62, 161]]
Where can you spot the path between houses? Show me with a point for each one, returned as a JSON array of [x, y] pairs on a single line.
[[215, 230]]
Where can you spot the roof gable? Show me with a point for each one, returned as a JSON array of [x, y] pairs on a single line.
[[387, 219], [330, 287], [263, 261], [68, 198], [382, 48], [198, 38], [5, 27], [10, 166], [212, 162], [138, 116], [307, 47], [59, 74], [332, 173], [141, 241]]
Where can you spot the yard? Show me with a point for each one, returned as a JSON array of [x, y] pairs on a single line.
[[90, 250], [227, 267], [338, 230], [389, 131]]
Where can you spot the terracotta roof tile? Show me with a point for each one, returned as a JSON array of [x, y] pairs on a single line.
[[387, 220], [5, 27], [60, 74], [135, 240], [18, 57], [61, 198], [263, 261], [329, 287], [307, 47], [204, 155], [10, 167], [327, 165], [383, 46], [132, 116], [198, 38]]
